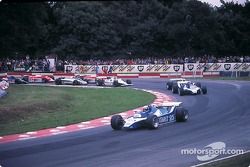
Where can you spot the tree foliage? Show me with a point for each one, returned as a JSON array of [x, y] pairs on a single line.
[[124, 29]]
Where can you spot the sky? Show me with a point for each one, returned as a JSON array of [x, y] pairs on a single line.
[[217, 2]]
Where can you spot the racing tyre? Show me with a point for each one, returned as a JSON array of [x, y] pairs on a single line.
[[26, 78], [153, 122], [181, 114], [198, 84], [99, 82], [168, 86], [18, 81], [75, 82], [128, 81], [116, 84], [117, 122], [45, 80], [175, 89], [58, 81], [204, 89], [180, 92]]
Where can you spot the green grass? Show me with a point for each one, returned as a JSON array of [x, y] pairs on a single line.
[[238, 161], [28, 108]]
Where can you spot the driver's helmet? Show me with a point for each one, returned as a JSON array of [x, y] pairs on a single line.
[[145, 109], [77, 76]]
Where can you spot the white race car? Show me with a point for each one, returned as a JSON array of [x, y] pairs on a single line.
[[70, 81], [4, 85], [112, 81], [152, 117], [188, 87], [172, 82]]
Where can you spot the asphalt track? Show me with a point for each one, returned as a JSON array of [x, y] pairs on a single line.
[[221, 115]]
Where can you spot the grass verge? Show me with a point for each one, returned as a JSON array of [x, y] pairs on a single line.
[[29, 108]]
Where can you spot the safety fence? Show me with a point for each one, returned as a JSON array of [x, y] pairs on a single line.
[[152, 70]]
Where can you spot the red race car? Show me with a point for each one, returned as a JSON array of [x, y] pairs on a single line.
[[38, 79]]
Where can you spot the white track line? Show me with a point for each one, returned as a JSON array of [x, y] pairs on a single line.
[[220, 159]]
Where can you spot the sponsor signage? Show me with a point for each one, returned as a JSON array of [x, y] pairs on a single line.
[[216, 67], [105, 69]]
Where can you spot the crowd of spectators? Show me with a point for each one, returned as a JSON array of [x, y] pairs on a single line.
[[38, 65], [42, 65]]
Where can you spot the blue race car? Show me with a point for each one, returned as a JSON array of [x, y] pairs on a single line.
[[15, 80], [151, 117]]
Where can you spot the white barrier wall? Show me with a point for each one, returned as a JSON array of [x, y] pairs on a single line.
[[216, 67], [157, 68], [154, 68]]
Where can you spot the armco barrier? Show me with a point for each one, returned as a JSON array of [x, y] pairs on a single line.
[[138, 75]]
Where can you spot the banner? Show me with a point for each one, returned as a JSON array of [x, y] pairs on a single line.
[[216, 67], [105, 69]]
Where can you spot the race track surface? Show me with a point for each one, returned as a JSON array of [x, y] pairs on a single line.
[[220, 116]]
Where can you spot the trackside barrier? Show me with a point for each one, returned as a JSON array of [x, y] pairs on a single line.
[[148, 75], [188, 70]]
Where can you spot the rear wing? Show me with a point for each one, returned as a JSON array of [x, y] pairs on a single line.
[[169, 104]]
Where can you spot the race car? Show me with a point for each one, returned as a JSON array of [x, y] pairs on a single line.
[[15, 80], [4, 85], [189, 88], [152, 117], [112, 81], [172, 82], [70, 81], [90, 79], [37, 78]]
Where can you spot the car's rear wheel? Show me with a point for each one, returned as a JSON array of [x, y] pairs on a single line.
[[117, 122], [75, 82], [45, 80], [153, 122], [204, 90], [99, 82], [58, 81], [180, 92], [116, 84], [26, 78], [181, 114]]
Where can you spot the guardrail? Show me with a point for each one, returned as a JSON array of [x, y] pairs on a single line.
[[190, 70]]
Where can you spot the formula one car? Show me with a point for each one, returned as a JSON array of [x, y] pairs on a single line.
[[152, 117], [112, 81], [15, 80], [90, 79], [70, 81], [37, 78], [188, 87], [172, 82], [4, 85]]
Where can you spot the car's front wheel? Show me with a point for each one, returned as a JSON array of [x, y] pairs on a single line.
[[128, 81], [168, 86], [153, 122], [117, 122]]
